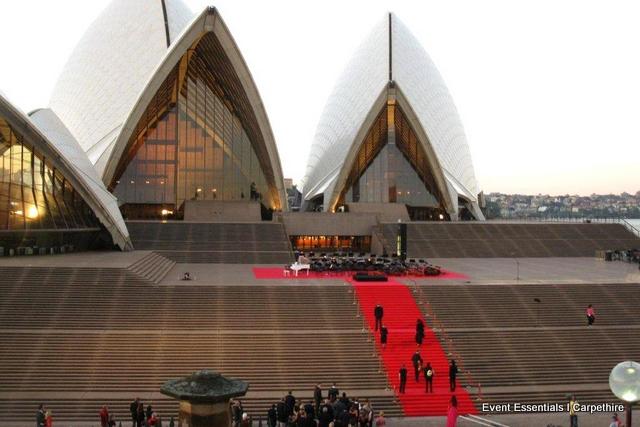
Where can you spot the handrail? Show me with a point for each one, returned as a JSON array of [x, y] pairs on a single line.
[[451, 350], [572, 219]]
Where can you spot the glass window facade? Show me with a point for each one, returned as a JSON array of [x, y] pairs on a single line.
[[34, 194], [337, 243], [189, 145], [392, 167]]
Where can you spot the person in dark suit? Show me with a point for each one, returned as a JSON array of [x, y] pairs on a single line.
[[325, 417], [272, 416], [281, 410], [290, 401], [133, 409], [453, 373], [416, 359], [317, 398], [140, 415], [419, 331], [40, 416], [403, 378], [378, 312], [333, 393], [384, 333], [428, 377], [310, 410]]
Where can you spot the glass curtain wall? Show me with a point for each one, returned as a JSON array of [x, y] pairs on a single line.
[[34, 194], [189, 145], [386, 172]]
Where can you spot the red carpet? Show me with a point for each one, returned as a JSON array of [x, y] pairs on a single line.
[[400, 315], [278, 273]]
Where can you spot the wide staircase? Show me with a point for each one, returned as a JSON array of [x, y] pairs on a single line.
[[190, 242], [502, 240], [531, 343], [78, 338], [153, 267]]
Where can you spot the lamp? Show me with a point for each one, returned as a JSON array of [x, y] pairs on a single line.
[[624, 382]]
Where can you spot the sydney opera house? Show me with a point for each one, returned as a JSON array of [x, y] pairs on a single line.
[[155, 108], [390, 133], [147, 238]]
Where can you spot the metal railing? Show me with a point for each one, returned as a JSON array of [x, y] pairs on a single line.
[[572, 219], [438, 328]]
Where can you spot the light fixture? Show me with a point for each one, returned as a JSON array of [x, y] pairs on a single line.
[[133, 182], [19, 212], [624, 382], [147, 181], [441, 216], [166, 212], [199, 190]]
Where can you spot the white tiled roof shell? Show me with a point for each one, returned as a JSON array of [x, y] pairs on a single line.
[[365, 77], [109, 67], [419, 80], [360, 85], [50, 125]]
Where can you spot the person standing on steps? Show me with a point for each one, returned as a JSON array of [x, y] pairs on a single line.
[[591, 315], [452, 412], [419, 331], [40, 416], [384, 332], [403, 378], [453, 373], [428, 377], [416, 359], [317, 398], [133, 409], [573, 417], [378, 312]]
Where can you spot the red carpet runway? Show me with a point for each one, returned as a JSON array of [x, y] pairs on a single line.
[[400, 315]]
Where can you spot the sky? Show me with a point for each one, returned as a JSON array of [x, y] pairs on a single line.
[[548, 91]]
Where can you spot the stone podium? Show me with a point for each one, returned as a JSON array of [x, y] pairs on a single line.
[[204, 398]]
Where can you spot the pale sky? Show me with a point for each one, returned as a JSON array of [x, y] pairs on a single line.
[[548, 91]]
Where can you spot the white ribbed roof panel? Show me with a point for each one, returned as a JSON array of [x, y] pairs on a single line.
[[59, 136], [358, 90], [420, 81], [360, 85], [110, 66]]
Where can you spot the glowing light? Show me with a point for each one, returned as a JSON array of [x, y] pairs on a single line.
[[441, 216], [19, 212], [32, 212], [199, 190], [166, 212], [146, 182]]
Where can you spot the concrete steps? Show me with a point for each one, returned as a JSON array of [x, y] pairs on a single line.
[[78, 338], [153, 267], [188, 242], [491, 240]]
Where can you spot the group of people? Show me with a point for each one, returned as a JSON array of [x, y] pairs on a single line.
[[43, 417], [428, 372], [419, 367], [333, 410], [141, 417]]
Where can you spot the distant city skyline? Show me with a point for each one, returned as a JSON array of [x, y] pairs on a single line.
[[548, 92]]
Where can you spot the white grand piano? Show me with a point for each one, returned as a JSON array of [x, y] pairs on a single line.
[[302, 263]]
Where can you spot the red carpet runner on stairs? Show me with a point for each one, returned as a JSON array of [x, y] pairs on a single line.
[[400, 315]]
